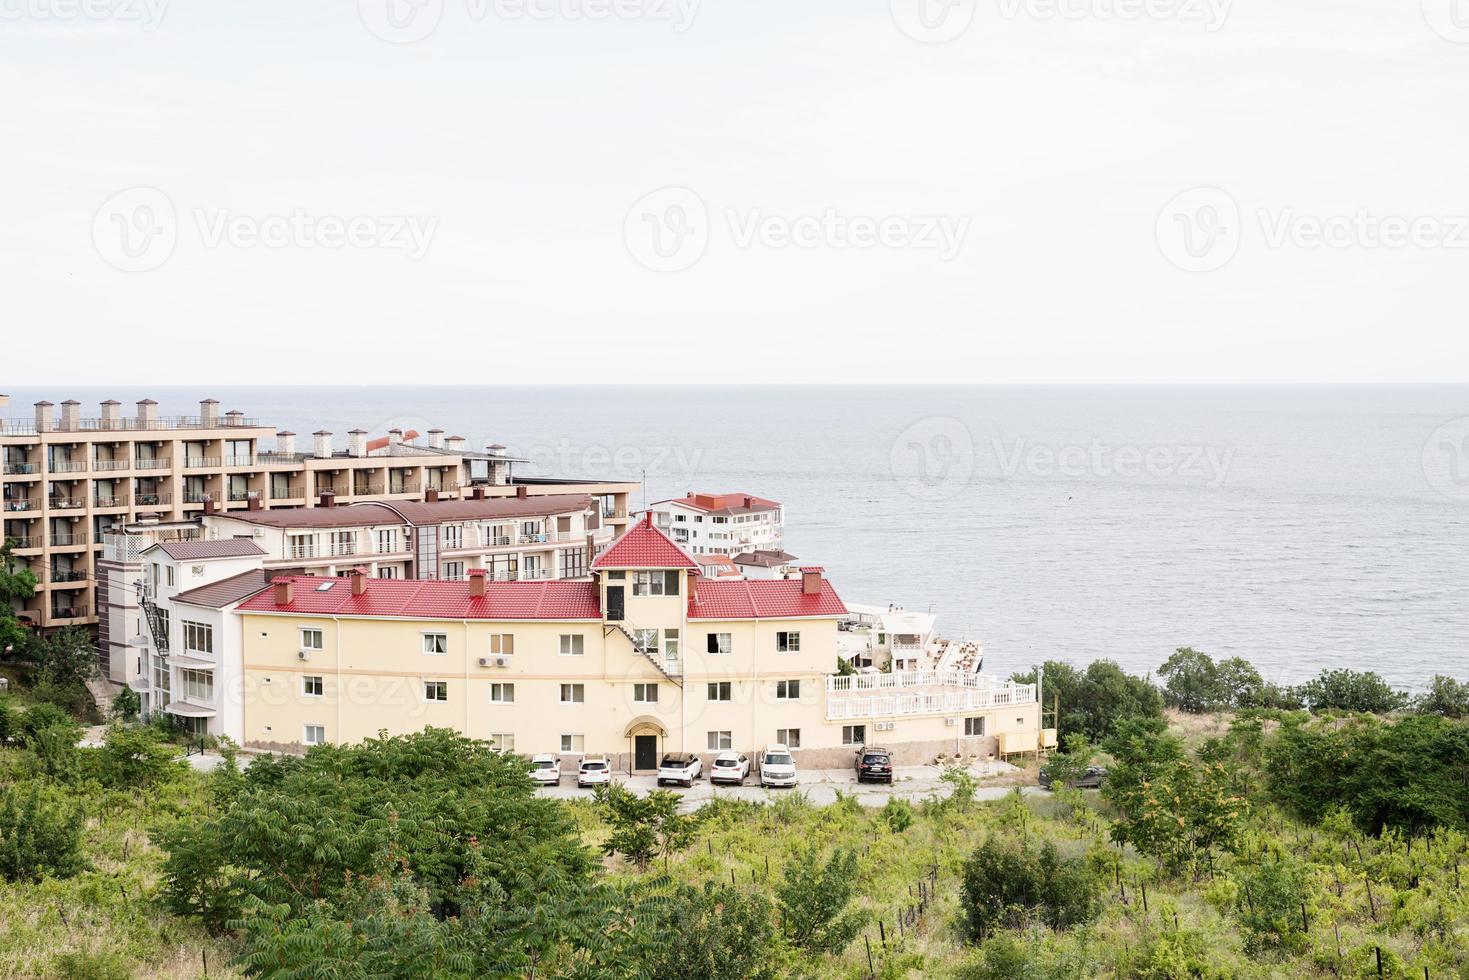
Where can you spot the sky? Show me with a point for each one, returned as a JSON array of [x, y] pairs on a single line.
[[688, 191]]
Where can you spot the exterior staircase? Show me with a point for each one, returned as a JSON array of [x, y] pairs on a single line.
[[668, 668]]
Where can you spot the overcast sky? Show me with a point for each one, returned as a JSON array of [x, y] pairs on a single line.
[[542, 191]]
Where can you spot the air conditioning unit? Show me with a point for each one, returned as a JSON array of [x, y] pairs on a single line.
[[303, 655], [494, 661], [259, 532], [951, 722], [884, 726]]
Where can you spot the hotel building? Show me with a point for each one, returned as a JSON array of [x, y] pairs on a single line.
[[726, 524]]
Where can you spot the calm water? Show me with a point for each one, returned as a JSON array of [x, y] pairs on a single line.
[[1297, 527]]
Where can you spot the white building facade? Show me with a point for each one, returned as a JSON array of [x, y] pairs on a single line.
[[721, 523]]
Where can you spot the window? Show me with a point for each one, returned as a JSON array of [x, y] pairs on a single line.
[[645, 693], [788, 642], [312, 687], [436, 644], [645, 641], [789, 737], [854, 734], [387, 571], [198, 638], [453, 535], [502, 694], [504, 741], [973, 727], [721, 740], [788, 690], [313, 734], [453, 570], [168, 575], [575, 744], [502, 644], [387, 541], [301, 545], [572, 644], [721, 644], [616, 575], [573, 562], [573, 693], [436, 690], [670, 644], [720, 691], [198, 684], [311, 639], [343, 542], [655, 583]]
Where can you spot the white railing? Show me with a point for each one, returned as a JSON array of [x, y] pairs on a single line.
[[945, 692]]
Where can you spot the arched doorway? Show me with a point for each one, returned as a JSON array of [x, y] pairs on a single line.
[[645, 743]]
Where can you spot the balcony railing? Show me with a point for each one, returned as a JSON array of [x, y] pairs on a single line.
[[27, 427], [287, 493], [112, 500], [69, 539], [237, 496], [203, 462], [23, 541], [249, 459], [104, 465], [196, 496], [68, 503], [17, 505], [341, 549], [534, 574], [154, 499], [77, 611], [64, 575], [403, 488], [151, 463], [66, 465], [298, 552], [920, 692]]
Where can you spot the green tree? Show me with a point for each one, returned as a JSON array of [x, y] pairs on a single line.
[[1008, 883], [646, 827], [1445, 696], [1191, 682], [40, 834], [132, 757], [1350, 690], [64, 661], [714, 933], [1241, 684], [1094, 700], [16, 584], [815, 897], [1272, 895]]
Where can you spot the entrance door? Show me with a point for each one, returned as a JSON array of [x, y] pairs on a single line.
[[614, 603], [645, 751]]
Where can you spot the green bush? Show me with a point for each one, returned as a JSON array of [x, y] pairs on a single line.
[[1094, 700], [814, 898], [133, 757], [92, 966], [7, 721], [40, 834], [644, 827], [1272, 896], [897, 814], [126, 704], [1446, 697], [1350, 690], [1008, 883], [46, 715], [716, 932]]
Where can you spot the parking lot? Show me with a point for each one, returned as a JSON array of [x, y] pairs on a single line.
[[821, 786]]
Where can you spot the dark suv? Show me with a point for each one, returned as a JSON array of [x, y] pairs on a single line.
[[874, 763]]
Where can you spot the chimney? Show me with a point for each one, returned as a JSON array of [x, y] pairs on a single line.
[[455, 444], [357, 442], [323, 444], [693, 585], [209, 413], [71, 415], [359, 581], [436, 438], [210, 507], [522, 492], [44, 421], [252, 502], [749, 502], [234, 417], [111, 414], [476, 583], [327, 499], [283, 592], [431, 495], [285, 443], [811, 581], [147, 413], [395, 437]]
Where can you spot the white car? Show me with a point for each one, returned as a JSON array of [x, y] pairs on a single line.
[[680, 767], [777, 766], [593, 771], [545, 769], [729, 767]]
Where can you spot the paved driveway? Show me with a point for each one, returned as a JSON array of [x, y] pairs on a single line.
[[820, 786]]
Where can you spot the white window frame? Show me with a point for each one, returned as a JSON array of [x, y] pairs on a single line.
[[195, 631], [306, 686], [721, 740], [789, 737], [573, 743], [971, 723], [503, 741], [719, 692], [437, 685], [502, 644], [306, 731], [425, 643], [723, 643], [788, 641], [573, 689], [854, 734], [308, 632], [499, 691], [572, 645], [788, 690], [641, 692]]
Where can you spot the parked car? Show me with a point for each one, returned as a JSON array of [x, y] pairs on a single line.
[[729, 767], [874, 763], [594, 771], [777, 766], [1091, 778], [680, 767], [545, 769]]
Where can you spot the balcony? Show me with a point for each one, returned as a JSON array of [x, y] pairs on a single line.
[[68, 503], [69, 611], [288, 493], [24, 542], [113, 500], [196, 496], [534, 574], [107, 465], [343, 549], [238, 496], [19, 469], [66, 466], [66, 576], [920, 692], [27, 427], [249, 459], [154, 499], [299, 552], [20, 505], [151, 463], [281, 459], [368, 490], [203, 462], [69, 539], [405, 487]]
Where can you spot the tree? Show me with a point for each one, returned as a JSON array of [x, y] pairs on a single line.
[[1271, 896], [814, 896], [136, 758], [1241, 684], [1446, 697], [1350, 690], [126, 704], [713, 933], [1094, 700], [1008, 883], [40, 834], [1192, 682], [64, 661], [15, 584], [644, 827]]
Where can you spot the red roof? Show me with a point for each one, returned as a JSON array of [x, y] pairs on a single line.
[[434, 599], [644, 546], [732, 502], [762, 599]]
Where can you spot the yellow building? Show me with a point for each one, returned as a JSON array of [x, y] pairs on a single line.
[[644, 657]]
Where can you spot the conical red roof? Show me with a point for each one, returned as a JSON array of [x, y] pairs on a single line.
[[644, 546]]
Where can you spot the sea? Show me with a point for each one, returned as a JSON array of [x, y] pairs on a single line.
[[1299, 527]]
